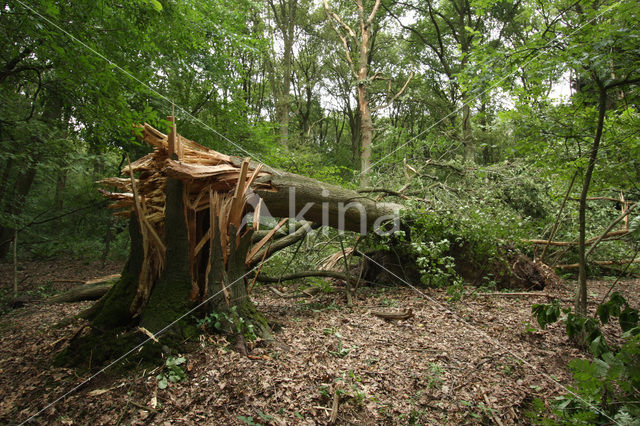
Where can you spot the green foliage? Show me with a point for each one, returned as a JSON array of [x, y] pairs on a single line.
[[248, 420], [546, 313], [608, 386], [172, 372], [229, 321], [341, 351], [585, 329], [437, 268]]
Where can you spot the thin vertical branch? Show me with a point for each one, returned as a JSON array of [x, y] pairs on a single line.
[[555, 225], [15, 262], [581, 293], [347, 273]]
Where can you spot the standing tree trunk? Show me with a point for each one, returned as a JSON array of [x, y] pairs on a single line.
[[200, 250], [581, 294], [361, 73], [366, 133], [285, 18], [170, 297], [14, 204], [467, 137]]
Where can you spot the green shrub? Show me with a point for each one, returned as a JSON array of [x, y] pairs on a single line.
[[606, 388]]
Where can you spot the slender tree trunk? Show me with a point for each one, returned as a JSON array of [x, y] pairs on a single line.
[[366, 133], [363, 102], [4, 180], [356, 130], [467, 138], [581, 294], [61, 184], [285, 18], [23, 185]]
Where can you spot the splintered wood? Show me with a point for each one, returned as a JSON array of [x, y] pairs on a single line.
[[215, 201]]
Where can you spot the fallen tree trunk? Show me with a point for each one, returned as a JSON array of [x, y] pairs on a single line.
[[301, 197], [304, 274], [82, 292]]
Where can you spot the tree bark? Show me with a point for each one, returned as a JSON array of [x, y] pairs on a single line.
[[170, 296], [285, 17], [581, 294], [301, 197]]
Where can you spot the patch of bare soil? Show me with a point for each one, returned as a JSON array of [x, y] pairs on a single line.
[[475, 360]]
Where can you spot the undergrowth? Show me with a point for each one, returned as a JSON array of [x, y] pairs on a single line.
[[607, 388]]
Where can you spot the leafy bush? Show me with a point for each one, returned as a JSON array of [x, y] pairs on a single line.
[[608, 387]]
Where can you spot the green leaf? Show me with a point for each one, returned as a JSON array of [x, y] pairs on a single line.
[[604, 313], [162, 382], [156, 5], [628, 319], [598, 346]]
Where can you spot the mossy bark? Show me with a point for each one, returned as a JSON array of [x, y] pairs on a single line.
[[112, 310], [228, 287], [170, 297]]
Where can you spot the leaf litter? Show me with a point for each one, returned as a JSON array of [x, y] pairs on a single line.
[[330, 363]]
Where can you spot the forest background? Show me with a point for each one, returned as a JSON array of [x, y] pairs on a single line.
[[490, 115]]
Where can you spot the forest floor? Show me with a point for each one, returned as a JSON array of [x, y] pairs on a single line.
[[480, 359]]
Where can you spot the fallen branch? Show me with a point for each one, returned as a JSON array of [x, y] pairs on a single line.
[[557, 222], [590, 241], [402, 315], [605, 234], [81, 293], [307, 292], [384, 191], [334, 406], [600, 263], [102, 279], [548, 296], [281, 243], [304, 274]]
